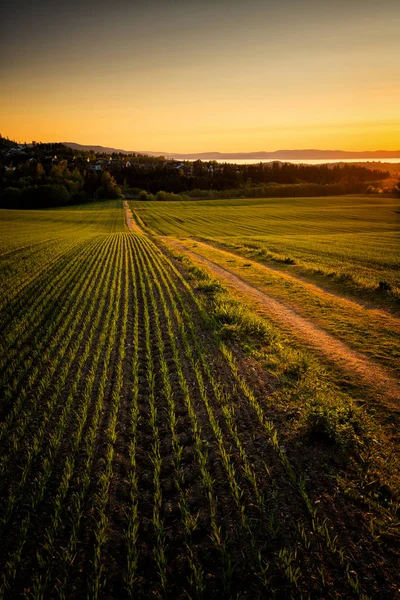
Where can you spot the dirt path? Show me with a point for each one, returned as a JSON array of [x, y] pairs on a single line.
[[354, 364], [306, 283], [130, 221]]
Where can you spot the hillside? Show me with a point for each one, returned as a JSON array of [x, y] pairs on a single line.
[[276, 155]]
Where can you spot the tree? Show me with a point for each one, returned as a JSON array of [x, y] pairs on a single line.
[[44, 196], [39, 170], [109, 187]]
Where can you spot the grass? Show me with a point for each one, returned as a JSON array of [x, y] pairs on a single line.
[[326, 415], [323, 415], [351, 239], [372, 332], [159, 438]]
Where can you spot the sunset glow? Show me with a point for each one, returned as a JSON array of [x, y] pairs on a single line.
[[194, 77]]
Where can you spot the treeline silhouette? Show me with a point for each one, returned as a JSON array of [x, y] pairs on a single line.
[[44, 175], [221, 177]]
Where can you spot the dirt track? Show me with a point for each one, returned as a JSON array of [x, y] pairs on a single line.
[[130, 222], [354, 364]]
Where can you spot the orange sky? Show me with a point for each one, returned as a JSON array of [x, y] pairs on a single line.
[[228, 76]]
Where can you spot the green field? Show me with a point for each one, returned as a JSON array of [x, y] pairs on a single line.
[[324, 258], [353, 237], [42, 239], [158, 439]]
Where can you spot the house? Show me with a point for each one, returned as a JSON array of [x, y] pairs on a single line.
[[16, 152], [95, 166]]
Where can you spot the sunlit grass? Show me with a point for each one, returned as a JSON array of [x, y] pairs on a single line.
[[355, 238]]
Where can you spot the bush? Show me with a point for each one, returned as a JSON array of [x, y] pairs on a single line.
[[145, 197], [10, 198], [197, 193], [170, 196], [131, 192], [239, 322], [196, 272], [337, 422], [44, 196], [80, 197], [396, 189], [236, 321], [104, 193], [211, 287], [163, 196]]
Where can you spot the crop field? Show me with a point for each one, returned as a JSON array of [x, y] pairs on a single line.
[[158, 439], [351, 237], [333, 261]]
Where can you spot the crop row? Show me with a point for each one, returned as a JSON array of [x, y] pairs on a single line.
[[136, 460]]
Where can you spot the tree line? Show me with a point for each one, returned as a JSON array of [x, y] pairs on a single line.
[[45, 175], [32, 185], [211, 176]]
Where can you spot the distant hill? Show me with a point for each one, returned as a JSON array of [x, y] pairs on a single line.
[[277, 155], [106, 150]]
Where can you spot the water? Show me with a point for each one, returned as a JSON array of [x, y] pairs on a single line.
[[326, 161]]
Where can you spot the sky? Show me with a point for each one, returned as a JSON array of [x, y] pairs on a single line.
[[204, 75]]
